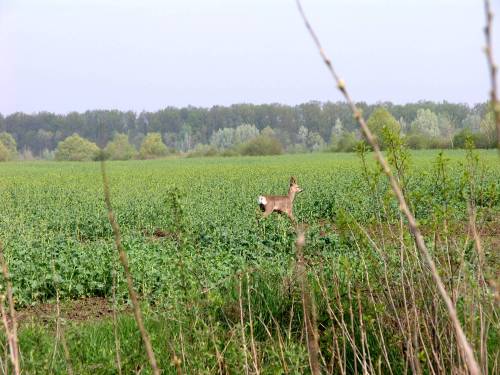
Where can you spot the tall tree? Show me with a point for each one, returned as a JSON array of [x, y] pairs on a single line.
[[10, 144], [382, 122], [426, 123], [152, 147], [76, 148], [120, 148]]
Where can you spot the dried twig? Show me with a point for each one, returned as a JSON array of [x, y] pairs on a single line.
[[308, 307], [115, 324], [488, 49], [67, 356], [403, 206], [252, 338], [242, 323], [126, 269], [59, 328], [10, 331]]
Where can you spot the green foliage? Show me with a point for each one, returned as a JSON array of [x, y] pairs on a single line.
[[382, 122], [202, 150], [9, 143], [4, 153], [480, 140], [262, 145], [183, 128], [152, 147], [344, 142], [190, 232], [488, 129], [417, 141], [120, 148], [426, 123], [76, 148]]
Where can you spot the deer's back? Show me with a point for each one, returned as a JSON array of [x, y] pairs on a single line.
[[278, 202]]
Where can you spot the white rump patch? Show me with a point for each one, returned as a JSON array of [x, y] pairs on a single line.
[[262, 200]]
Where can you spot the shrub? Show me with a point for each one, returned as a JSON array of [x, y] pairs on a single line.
[[202, 150], [8, 141], [229, 152], [262, 145], [120, 148], [381, 119], [152, 147], [480, 140], [76, 148], [439, 143], [4, 152], [417, 141], [346, 142]]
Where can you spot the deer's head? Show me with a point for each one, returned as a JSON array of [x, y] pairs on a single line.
[[294, 188]]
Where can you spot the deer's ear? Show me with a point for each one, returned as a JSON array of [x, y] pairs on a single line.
[[293, 180]]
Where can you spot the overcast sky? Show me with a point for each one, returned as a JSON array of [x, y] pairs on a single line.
[[74, 55]]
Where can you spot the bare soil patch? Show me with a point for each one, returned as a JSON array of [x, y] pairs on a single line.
[[84, 309]]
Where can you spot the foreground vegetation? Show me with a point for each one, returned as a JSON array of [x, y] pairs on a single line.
[[223, 291]]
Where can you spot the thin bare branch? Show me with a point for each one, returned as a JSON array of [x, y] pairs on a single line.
[[488, 49], [252, 338], [403, 206], [12, 331], [309, 308], [115, 324], [242, 321], [126, 269]]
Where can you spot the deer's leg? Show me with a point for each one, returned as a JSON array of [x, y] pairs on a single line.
[[266, 213], [290, 215]]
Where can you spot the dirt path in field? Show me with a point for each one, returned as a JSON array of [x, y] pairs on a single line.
[[91, 308]]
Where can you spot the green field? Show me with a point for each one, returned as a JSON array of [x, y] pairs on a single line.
[[191, 230]]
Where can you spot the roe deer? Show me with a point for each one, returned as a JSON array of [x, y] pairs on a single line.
[[280, 203]]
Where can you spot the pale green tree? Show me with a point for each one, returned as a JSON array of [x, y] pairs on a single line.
[[381, 123], [261, 145], [4, 152], [10, 144], [222, 138], [120, 148], [336, 131], [244, 133], [315, 141], [488, 128], [426, 123], [302, 135], [185, 140], [76, 148], [472, 122], [268, 132], [344, 142], [446, 127], [152, 147]]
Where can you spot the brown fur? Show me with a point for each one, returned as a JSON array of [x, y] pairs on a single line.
[[281, 203]]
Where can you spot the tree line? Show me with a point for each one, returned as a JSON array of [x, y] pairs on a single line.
[[241, 129]]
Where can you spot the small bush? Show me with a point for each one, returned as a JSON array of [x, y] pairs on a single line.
[[120, 148], [202, 150], [417, 141], [229, 152], [76, 148], [480, 140], [9, 143], [152, 147], [346, 142], [4, 153], [262, 145], [439, 143]]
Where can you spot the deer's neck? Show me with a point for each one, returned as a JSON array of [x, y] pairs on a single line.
[[291, 195]]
